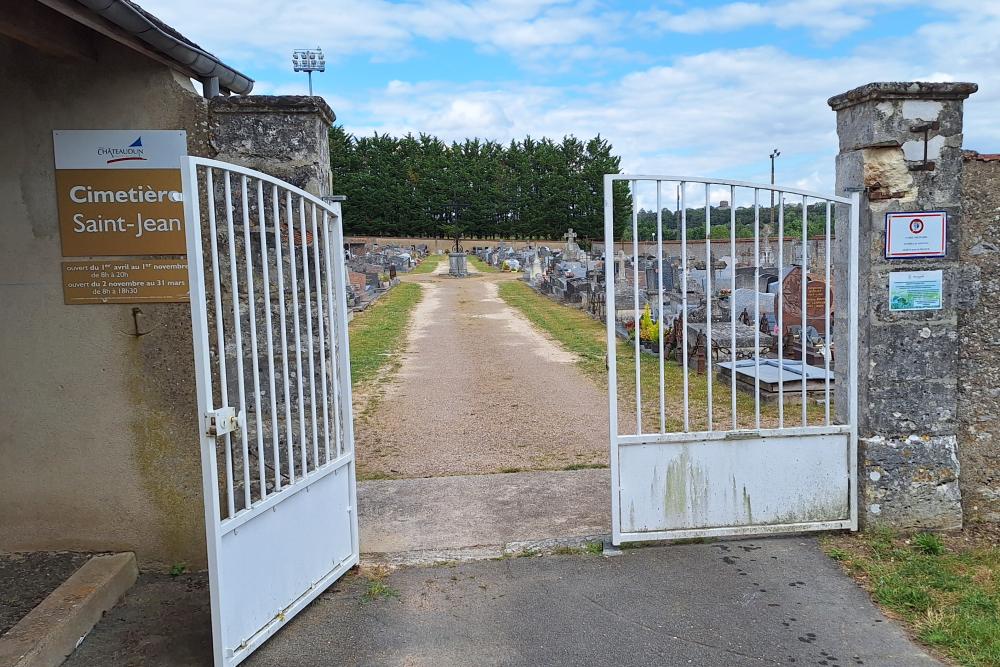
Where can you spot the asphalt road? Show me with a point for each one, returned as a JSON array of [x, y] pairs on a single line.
[[776, 601]]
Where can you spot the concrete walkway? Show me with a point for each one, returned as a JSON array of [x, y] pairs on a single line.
[[762, 602], [480, 393], [480, 516], [775, 601]]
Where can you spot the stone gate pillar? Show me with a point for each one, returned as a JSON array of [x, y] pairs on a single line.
[[907, 360], [285, 136]]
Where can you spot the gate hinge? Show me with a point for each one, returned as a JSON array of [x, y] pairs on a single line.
[[221, 421]]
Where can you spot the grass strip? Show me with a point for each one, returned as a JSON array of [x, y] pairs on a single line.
[[945, 588], [428, 264], [378, 334], [481, 266]]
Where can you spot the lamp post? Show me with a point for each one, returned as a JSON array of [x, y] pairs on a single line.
[[774, 154], [308, 61]]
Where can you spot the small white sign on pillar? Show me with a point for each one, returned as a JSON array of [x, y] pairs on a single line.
[[916, 290], [915, 235]]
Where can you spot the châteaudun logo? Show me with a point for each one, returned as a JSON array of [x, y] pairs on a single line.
[[132, 152]]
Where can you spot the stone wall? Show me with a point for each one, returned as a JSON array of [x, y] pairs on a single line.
[[442, 244], [979, 335], [908, 361]]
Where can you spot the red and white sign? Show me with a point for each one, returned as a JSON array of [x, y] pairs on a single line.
[[915, 235]]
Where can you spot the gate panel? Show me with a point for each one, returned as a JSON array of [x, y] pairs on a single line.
[[269, 317], [721, 358], [297, 548], [724, 484]]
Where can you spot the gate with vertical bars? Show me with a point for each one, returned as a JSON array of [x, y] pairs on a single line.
[[269, 317], [722, 363]]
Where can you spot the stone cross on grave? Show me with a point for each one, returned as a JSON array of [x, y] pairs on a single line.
[[766, 254], [621, 277], [573, 252]]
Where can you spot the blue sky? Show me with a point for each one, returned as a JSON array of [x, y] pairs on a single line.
[[679, 87]]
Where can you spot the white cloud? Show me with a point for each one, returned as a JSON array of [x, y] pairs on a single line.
[[713, 114], [826, 19], [525, 29]]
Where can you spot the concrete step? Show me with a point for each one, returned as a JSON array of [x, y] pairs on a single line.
[[474, 517], [53, 629]]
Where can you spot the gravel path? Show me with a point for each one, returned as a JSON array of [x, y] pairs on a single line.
[[480, 391]]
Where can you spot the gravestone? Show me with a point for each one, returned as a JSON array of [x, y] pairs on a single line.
[[621, 277], [746, 277], [535, 272], [357, 280], [573, 251], [458, 264], [791, 302]]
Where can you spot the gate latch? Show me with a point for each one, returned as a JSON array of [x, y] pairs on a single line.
[[221, 421]]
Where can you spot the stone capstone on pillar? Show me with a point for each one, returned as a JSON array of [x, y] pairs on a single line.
[[285, 136], [907, 360]]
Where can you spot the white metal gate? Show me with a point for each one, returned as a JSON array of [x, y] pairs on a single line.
[[704, 446], [268, 310]]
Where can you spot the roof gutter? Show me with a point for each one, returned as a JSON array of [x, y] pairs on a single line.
[[136, 22]]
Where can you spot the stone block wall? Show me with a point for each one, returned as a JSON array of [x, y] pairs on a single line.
[[979, 338], [286, 136]]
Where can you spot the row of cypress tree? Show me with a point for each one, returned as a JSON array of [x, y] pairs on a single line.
[[421, 186]]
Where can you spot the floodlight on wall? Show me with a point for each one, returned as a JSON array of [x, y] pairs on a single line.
[[308, 61]]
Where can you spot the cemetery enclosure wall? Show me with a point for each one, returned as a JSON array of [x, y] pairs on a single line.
[[443, 245], [978, 331], [98, 442], [792, 249]]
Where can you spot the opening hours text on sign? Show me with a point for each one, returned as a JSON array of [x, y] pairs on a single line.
[[915, 235], [126, 280]]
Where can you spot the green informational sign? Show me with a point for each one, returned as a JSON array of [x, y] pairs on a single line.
[[915, 290]]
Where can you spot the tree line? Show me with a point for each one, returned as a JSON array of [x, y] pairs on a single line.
[[721, 218], [424, 187], [421, 186]]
